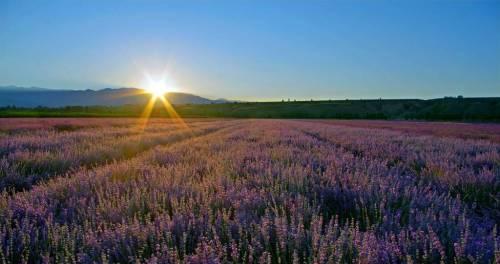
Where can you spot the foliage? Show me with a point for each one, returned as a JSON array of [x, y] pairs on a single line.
[[463, 109]]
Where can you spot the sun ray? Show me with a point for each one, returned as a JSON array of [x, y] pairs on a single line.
[[174, 116], [146, 113], [157, 88]]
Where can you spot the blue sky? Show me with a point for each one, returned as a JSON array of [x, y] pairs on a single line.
[[256, 50]]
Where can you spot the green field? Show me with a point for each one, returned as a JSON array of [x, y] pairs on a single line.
[[447, 109]]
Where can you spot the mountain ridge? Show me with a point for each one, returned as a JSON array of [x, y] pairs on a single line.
[[37, 96]]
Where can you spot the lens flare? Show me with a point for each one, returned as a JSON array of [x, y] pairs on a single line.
[[158, 88], [158, 85]]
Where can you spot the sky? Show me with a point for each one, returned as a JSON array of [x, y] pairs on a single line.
[[256, 50]]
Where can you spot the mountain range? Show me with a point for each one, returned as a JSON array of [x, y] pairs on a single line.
[[36, 96]]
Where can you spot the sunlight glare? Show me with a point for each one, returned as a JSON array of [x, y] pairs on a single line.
[[158, 88]]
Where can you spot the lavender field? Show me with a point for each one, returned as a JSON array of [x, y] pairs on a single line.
[[248, 191]]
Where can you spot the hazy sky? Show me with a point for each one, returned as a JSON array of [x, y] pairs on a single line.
[[256, 49]]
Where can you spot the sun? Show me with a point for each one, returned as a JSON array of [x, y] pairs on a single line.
[[156, 88]]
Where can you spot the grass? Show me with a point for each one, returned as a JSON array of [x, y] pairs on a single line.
[[463, 109]]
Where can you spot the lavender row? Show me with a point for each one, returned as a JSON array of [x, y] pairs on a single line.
[[43, 153]]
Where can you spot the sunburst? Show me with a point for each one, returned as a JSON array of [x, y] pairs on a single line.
[[159, 88]]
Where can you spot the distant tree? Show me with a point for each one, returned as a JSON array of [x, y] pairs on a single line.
[[460, 97]]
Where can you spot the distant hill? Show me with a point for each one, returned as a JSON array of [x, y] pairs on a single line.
[[36, 96]]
